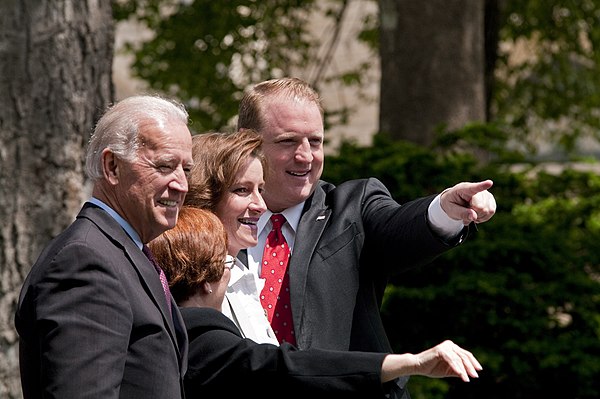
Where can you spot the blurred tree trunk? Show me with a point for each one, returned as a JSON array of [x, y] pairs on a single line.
[[432, 66], [55, 80]]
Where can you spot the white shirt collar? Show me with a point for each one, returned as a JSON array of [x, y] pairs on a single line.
[[292, 215], [122, 222]]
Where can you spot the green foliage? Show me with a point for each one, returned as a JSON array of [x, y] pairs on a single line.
[[207, 52], [407, 169], [548, 85], [523, 293], [370, 32]]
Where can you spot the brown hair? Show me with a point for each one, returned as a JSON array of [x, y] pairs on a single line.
[[192, 252], [217, 159], [251, 106]]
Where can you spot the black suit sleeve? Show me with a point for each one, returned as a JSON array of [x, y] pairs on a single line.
[[391, 228], [220, 360]]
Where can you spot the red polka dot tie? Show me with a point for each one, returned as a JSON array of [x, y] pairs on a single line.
[[275, 296]]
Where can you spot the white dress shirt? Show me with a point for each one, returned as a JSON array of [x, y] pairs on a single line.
[[242, 305]]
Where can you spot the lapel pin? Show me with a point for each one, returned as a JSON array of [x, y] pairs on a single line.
[[320, 217]]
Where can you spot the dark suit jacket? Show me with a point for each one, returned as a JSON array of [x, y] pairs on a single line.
[[350, 239], [222, 364], [93, 321]]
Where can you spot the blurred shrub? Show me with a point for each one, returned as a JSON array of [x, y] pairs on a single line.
[[523, 292]]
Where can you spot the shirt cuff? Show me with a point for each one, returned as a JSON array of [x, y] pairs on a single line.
[[440, 222]]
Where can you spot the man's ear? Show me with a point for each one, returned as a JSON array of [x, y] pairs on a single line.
[[110, 166]]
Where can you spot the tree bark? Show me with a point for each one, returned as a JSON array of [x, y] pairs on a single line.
[[55, 80], [432, 66]]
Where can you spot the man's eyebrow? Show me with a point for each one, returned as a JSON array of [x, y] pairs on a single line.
[[287, 135]]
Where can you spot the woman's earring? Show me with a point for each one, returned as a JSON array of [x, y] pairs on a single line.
[[210, 291]]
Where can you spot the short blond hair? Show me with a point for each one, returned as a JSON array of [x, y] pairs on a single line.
[[251, 108]]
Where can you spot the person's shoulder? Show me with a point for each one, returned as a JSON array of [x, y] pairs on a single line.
[[197, 312], [201, 319], [77, 234], [349, 185]]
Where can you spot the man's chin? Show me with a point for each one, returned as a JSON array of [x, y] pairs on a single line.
[[297, 198], [170, 220]]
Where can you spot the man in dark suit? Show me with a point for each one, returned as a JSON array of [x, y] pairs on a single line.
[[93, 318], [346, 240]]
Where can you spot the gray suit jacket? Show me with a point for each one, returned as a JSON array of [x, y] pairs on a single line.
[[350, 239], [93, 321]]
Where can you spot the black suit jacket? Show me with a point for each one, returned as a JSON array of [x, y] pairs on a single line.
[[93, 321], [222, 364], [349, 241]]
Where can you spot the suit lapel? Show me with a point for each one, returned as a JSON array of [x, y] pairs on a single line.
[[243, 257], [150, 278], [312, 223], [146, 270], [238, 313], [143, 267]]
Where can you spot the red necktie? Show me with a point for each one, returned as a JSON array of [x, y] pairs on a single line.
[[275, 296], [161, 274]]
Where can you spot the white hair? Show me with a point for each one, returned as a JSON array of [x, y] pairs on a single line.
[[118, 128]]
